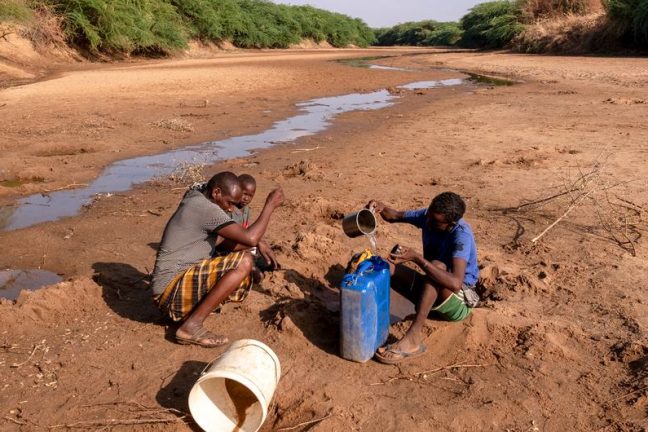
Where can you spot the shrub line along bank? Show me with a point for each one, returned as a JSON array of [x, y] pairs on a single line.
[[162, 26], [499, 24]]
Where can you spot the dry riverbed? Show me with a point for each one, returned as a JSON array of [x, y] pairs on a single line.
[[560, 343]]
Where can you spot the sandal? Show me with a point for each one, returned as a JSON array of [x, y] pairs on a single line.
[[202, 337], [398, 355]]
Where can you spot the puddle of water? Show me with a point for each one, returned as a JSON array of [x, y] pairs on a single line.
[[315, 116], [365, 62], [390, 68], [12, 282], [420, 85]]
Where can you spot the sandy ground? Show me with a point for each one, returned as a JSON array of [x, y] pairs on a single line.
[[560, 343]]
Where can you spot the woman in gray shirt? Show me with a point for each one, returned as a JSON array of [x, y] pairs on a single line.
[[189, 281]]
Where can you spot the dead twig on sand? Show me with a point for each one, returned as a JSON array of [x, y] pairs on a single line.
[[18, 422], [425, 374], [136, 404], [139, 406], [308, 423], [620, 218], [392, 379], [71, 185], [569, 209], [8, 348], [625, 395], [115, 422], [306, 149], [619, 224], [17, 365]]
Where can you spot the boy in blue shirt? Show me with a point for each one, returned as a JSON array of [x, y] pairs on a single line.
[[449, 269]]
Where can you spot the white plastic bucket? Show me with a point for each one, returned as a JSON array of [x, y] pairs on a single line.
[[234, 391]]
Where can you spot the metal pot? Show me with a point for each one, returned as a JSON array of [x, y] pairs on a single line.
[[359, 223]]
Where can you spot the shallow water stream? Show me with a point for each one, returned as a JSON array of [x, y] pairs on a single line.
[[314, 116]]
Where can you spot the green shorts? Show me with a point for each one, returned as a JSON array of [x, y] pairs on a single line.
[[454, 308]]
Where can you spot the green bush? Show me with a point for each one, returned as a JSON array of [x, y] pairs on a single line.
[[123, 25], [262, 24], [419, 33], [210, 19], [445, 34], [491, 25], [266, 25], [161, 26], [14, 11], [629, 18]]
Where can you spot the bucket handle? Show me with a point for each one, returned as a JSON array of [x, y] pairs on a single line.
[[243, 346]]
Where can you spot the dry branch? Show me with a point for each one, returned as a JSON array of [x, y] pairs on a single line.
[[424, 374], [306, 149], [139, 406], [310, 422], [625, 395], [18, 422], [569, 209], [46, 191], [115, 422], [453, 366], [17, 365], [619, 219]]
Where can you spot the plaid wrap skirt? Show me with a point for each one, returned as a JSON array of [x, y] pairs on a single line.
[[189, 287]]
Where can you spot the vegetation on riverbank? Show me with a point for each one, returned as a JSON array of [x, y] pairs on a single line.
[[14, 11], [567, 26], [422, 33], [162, 26], [629, 19], [154, 27]]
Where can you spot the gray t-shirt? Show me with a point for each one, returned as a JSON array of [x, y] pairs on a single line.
[[189, 237]]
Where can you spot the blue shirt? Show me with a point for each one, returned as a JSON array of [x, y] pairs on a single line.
[[446, 245]]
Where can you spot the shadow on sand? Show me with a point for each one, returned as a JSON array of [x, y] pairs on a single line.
[[127, 292], [316, 315], [174, 394]]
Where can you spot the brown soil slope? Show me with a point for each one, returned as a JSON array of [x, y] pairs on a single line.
[[560, 344]]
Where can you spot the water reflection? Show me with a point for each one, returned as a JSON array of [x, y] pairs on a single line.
[[12, 282], [314, 117]]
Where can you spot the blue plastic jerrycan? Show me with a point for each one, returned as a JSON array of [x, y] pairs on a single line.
[[364, 310]]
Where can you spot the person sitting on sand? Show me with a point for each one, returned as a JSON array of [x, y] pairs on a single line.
[[248, 187], [190, 279], [449, 269]]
